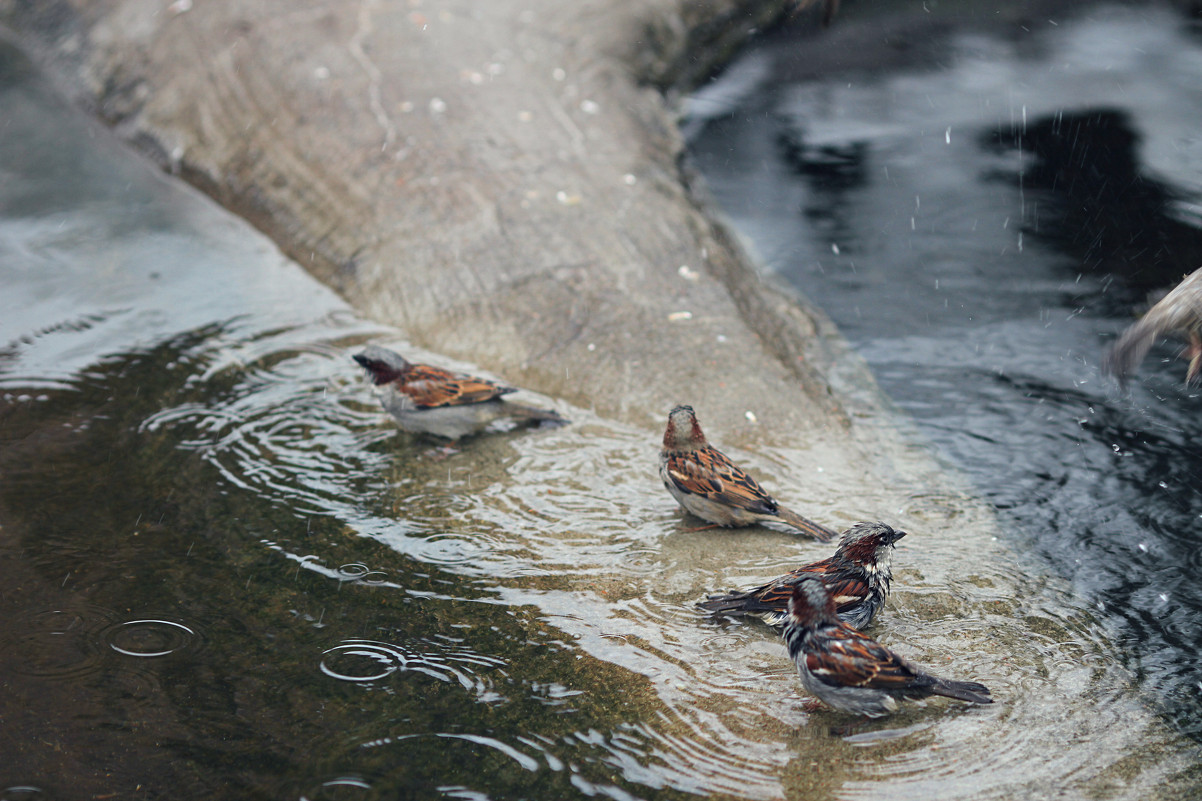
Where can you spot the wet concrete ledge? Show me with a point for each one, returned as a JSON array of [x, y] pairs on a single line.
[[502, 180]]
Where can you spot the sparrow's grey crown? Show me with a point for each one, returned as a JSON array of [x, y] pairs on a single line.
[[866, 529], [384, 356]]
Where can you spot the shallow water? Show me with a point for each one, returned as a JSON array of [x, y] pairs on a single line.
[[223, 570], [981, 215]]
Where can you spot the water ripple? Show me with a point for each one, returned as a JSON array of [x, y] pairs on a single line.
[[22, 792], [338, 787], [364, 661], [149, 638], [57, 643]]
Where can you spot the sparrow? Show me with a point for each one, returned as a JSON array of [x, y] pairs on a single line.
[[852, 672], [707, 485], [1178, 312], [430, 400], [857, 577]]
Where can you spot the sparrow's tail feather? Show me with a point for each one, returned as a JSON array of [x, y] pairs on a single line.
[[963, 690], [805, 526], [533, 415], [735, 602]]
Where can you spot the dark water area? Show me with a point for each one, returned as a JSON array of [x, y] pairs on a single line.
[[982, 198]]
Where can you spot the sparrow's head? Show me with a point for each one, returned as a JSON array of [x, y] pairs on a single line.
[[867, 543], [811, 605], [683, 432], [382, 364]]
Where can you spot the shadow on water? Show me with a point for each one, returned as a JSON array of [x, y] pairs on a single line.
[[1091, 200], [980, 209]]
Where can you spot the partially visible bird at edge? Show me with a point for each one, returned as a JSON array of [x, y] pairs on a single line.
[[1178, 313]]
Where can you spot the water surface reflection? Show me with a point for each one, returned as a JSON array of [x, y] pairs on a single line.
[[306, 604]]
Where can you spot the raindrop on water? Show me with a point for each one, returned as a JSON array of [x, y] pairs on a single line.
[[333, 788], [21, 792], [149, 638], [353, 571], [361, 661]]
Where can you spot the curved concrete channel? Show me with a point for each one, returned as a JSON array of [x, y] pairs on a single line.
[[503, 183]]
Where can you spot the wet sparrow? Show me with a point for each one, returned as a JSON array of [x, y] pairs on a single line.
[[707, 485], [851, 672], [1180, 313], [857, 577], [430, 400]]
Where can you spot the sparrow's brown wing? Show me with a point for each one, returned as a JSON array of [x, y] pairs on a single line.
[[774, 596], [770, 597], [849, 659], [708, 473], [430, 387], [847, 587]]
